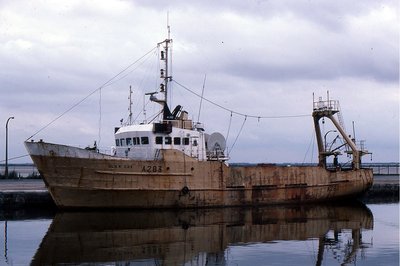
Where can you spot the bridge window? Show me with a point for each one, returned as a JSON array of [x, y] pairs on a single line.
[[122, 142], [136, 141], [158, 140], [177, 141], [128, 141], [168, 140], [117, 142], [145, 140], [185, 141]]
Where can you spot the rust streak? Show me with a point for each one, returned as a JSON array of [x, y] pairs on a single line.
[[144, 173]]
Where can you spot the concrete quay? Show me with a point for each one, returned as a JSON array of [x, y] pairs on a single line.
[[384, 190], [26, 193]]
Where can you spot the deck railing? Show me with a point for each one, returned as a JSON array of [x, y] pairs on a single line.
[[332, 105]]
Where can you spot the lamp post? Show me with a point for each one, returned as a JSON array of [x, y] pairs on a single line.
[[5, 241], [6, 168]]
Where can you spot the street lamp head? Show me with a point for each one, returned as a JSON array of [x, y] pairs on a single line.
[[11, 117], [6, 166]]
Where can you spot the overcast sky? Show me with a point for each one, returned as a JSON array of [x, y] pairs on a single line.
[[262, 58]]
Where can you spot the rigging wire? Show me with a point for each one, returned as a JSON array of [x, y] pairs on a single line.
[[201, 99], [154, 65], [143, 112], [237, 136], [100, 111], [155, 116], [14, 158], [107, 83], [238, 113], [229, 128], [127, 74], [311, 143]]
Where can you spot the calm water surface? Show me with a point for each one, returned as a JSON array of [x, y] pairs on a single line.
[[351, 234]]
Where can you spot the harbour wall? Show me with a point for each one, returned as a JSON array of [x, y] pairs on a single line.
[[381, 193], [26, 199]]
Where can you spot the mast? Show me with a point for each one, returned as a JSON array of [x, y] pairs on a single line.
[[164, 72], [165, 77], [130, 105]]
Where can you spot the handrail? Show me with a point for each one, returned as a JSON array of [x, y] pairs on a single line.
[[332, 105]]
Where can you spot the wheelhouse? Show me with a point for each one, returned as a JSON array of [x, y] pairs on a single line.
[[146, 140]]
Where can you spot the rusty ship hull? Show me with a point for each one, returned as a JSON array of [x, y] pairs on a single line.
[[80, 178], [171, 162]]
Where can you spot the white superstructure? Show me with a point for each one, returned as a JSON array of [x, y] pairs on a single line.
[[144, 142], [174, 130]]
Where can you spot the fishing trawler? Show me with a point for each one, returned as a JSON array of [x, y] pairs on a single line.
[[174, 163]]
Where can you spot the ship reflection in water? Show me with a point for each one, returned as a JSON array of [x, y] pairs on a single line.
[[199, 237]]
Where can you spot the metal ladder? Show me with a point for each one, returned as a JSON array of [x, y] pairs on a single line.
[[341, 123], [340, 117]]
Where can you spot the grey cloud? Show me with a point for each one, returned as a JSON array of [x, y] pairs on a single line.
[[319, 68], [330, 14], [253, 52]]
